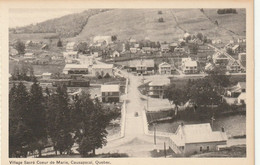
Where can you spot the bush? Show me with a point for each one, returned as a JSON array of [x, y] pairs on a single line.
[[160, 20]]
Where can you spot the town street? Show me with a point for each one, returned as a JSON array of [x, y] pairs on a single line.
[[134, 143]]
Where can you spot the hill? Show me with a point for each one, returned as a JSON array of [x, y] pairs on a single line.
[[142, 23], [66, 26]]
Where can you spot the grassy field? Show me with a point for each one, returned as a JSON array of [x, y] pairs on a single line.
[[139, 23]]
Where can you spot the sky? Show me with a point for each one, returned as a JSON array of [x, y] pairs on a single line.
[[22, 17]]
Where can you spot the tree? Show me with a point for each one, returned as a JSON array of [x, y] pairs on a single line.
[[58, 119], [193, 48], [114, 38], [200, 36], [83, 47], [37, 120], [160, 19], [20, 47], [230, 51], [175, 95], [19, 130], [107, 75], [59, 43]]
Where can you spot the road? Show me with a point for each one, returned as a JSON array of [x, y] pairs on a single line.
[[135, 143]]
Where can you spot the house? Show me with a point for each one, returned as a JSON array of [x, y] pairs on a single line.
[[241, 99], [70, 57], [102, 69], [71, 46], [132, 40], [46, 75], [233, 66], [115, 54], [142, 66], [146, 49], [136, 45], [133, 50], [209, 67], [220, 59], [236, 90], [110, 93], [157, 88], [165, 68], [235, 49], [76, 69], [186, 35], [28, 43], [196, 138], [242, 58], [102, 40], [173, 46], [28, 55], [189, 66], [165, 48], [13, 51]]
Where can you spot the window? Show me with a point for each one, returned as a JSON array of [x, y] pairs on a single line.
[[200, 148]]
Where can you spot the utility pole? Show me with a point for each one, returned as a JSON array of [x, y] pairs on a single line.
[[154, 127]]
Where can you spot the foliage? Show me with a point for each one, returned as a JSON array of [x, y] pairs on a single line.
[[59, 43], [23, 72], [107, 75], [160, 19], [20, 47], [82, 47], [227, 11], [230, 51], [114, 38], [193, 48]]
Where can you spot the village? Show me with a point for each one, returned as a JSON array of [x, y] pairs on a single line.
[[139, 80]]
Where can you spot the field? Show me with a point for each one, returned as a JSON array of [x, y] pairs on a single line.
[[139, 24]]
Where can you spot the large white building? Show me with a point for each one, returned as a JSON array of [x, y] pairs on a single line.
[[189, 66], [102, 69], [196, 138]]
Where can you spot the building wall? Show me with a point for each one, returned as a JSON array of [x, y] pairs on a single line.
[[193, 148]]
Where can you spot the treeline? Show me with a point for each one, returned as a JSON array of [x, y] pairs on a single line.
[[40, 119], [67, 26], [23, 72], [201, 93], [227, 11]]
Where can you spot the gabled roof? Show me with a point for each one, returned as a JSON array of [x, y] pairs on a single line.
[[199, 133], [164, 64], [110, 88]]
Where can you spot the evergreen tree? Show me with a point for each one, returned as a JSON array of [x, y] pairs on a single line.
[[59, 43], [58, 119], [37, 119]]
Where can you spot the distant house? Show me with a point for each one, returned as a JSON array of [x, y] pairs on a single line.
[[102, 40], [220, 59], [110, 93], [70, 57], [189, 66], [28, 43], [133, 50], [196, 138], [235, 49], [115, 54], [45, 47], [13, 51], [28, 55], [236, 90], [71, 46], [142, 66], [46, 75], [165, 68], [146, 49], [242, 58], [209, 67], [156, 88], [165, 48], [233, 66], [241, 99], [76, 69], [102, 69]]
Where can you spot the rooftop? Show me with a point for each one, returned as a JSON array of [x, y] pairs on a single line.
[[103, 66], [76, 66], [198, 133], [109, 88]]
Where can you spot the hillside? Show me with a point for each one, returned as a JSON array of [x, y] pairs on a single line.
[[140, 23], [66, 26]]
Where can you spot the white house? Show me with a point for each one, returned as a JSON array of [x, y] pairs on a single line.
[[110, 93], [102, 40], [102, 69], [156, 87], [133, 50], [165, 68], [196, 138], [189, 66], [70, 57], [115, 54], [71, 46]]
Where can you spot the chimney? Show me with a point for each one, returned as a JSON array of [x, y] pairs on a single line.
[[222, 129]]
